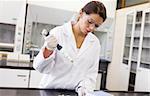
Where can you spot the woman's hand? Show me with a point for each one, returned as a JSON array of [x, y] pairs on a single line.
[[51, 42], [81, 91]]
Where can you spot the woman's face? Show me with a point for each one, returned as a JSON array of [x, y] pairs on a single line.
[[88, 23]]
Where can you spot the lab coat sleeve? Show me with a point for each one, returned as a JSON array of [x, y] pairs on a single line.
[[44, 65], [89, 81]]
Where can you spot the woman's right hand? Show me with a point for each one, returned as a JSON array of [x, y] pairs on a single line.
[[81, 91], [51, 42]]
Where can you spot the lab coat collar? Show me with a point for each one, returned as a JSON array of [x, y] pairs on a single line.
[[89, 39], [69, 31], [88, 43], [68, 27]]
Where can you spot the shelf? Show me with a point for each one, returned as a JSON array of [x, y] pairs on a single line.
[[6, 45], [125, 58], [139, 22], [145, 66], [148, 22], [146, 47], [128, 36], [145, 62], [146, 36], [132, 71], [136, 36], [135, 46], [134, 60], [125, 61], [127, 45]]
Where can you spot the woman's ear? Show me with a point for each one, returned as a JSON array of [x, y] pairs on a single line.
[[80, 15]]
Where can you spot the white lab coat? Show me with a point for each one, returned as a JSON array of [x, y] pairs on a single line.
[[59, 71]]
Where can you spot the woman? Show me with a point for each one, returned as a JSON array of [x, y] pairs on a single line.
[[74, 65]]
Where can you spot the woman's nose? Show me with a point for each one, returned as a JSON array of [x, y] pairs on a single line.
[[92, 27]]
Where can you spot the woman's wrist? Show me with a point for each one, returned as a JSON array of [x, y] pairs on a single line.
[[47, 52]]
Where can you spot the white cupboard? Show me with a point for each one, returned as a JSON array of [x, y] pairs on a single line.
[[12, 23], [10, 11], [35, 78], [130, 66], [14, 78], [20, 78], [142, 82]]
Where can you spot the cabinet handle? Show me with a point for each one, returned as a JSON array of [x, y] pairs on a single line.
[[21, 76]]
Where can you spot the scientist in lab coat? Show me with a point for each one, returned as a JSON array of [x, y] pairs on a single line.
[[74, 63]]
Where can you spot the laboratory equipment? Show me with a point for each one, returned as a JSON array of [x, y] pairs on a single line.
[[60, 48], [7, 37], [14, 59], [39, 18]]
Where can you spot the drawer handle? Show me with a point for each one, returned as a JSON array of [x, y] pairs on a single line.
[[21, 76]]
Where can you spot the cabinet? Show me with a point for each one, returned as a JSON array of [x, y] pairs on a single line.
[[35, 78], [143, 64], [12, 22], [131, 51], [136, 56], [9, 11], [37, 19], [14, 78], [98, 81]]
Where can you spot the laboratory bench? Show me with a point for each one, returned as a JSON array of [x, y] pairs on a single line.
[[58, 92], [27, 73], [27, 77], [24, 88]]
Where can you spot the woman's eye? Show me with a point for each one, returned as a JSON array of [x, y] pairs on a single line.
[[90, 22], [96, 25]]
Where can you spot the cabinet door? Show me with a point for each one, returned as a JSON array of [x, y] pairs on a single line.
[[98, 81], [35, 78], [122, 72], [135, 48], [10, 11], [118, 70], [14, 78], [142, 82], [126, 62]]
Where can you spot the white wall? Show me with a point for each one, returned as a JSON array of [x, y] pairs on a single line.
[[68, 5], [74, 5]]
